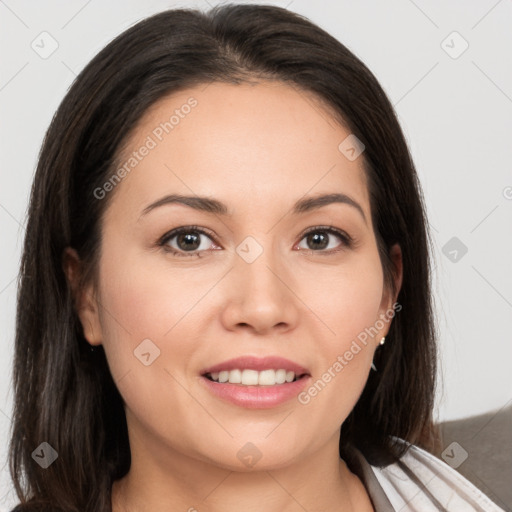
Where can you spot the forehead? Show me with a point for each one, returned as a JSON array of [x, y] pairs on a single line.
[[243, 144]]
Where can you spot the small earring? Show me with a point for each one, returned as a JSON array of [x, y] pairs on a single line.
[[381, 342]]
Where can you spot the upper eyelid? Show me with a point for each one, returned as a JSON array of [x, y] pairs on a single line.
[[176, 231]]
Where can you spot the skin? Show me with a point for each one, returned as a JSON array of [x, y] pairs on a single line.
[[257, 148]]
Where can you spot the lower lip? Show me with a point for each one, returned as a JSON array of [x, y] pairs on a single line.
[[256, 397]]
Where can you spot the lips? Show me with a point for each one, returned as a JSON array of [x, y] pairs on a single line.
[[257, 363]]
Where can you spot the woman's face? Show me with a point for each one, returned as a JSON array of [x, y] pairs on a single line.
[[254, 284]]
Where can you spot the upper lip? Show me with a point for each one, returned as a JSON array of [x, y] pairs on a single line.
[[257, 363]]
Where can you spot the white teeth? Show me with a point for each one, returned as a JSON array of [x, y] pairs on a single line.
[[267, 378], [235, 377], [253, 377], [280, 376], [249, 377]]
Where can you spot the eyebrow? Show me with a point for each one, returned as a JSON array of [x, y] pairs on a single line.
[[210, 205]]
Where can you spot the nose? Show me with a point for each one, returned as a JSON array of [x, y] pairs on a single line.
[[260, 295]]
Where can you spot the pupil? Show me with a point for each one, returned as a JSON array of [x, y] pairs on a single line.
[[191, 244], [316, 238]]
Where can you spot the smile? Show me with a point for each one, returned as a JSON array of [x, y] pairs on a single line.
[[253, 377]]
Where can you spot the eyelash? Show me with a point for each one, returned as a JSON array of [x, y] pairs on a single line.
[[347, 240]]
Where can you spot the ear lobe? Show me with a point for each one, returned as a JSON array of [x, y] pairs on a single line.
[[83, 299]]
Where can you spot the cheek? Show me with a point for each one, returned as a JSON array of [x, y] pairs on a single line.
[[350, 308], [146, 296], [143, 310], [146, 334], [351, 299]]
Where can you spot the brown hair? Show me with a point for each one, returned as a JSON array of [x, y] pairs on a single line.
[[63, 391]]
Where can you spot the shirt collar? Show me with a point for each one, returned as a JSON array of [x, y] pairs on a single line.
[[358, 464]]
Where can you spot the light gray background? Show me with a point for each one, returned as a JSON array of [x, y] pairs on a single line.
[[456, 114]]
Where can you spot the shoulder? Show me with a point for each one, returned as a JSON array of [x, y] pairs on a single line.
[[419, 481]]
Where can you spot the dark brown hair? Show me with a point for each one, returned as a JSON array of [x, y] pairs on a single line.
[[63, 391]]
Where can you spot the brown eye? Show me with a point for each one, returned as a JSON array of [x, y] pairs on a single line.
[[319, 238], [188, 241], [185, 240]]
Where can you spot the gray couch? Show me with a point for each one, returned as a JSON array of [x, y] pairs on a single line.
[[487, 439]]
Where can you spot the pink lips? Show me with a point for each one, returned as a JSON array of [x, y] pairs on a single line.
[[257, 397], [257, 363]]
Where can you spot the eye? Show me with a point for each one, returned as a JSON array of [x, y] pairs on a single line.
[[318, 237], [188, 240]]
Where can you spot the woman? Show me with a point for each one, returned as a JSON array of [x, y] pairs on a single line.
[[224, 296]]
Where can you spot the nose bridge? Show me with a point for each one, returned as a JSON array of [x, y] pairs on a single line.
[[260, 264], [261, 295]]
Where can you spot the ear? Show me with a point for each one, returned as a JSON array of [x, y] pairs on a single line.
[[388, 299], [84, 299], [396, 258]]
